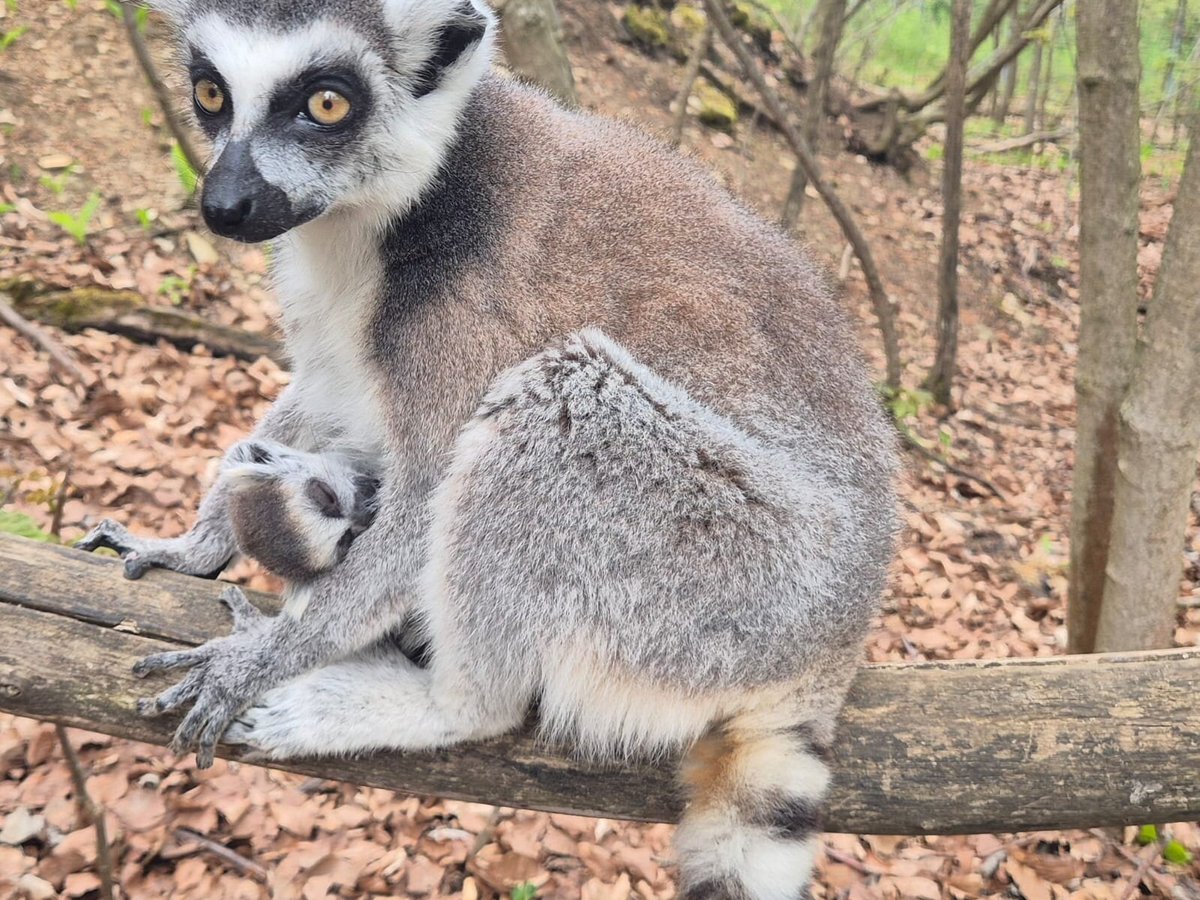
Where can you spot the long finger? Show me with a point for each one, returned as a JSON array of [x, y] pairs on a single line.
[[208, 740], [174, 697], [242, 610], [193, 723], [171, 659]]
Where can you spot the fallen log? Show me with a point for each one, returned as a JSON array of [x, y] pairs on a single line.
[[928, 748], [127, 314]]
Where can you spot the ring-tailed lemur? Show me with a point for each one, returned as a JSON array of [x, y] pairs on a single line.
[[632, 463]]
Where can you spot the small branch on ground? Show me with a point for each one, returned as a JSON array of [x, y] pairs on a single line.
[[60, 498], [242, 864], [1025, 140], [774, 106], [93, 813], [58, 353], [161, 92], [910, 440]]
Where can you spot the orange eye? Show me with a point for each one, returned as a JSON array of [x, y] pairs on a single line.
[[209, 96], [328, 107]]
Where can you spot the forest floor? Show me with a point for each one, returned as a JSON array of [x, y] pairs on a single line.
[[976, 576]]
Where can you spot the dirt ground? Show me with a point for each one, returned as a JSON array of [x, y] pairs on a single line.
[[977, 575]]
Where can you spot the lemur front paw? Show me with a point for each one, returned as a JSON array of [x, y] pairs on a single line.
[[226, 675], [140, 555], [284, 723]]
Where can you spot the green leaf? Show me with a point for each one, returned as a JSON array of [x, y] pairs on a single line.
[[1175, 852], [10, 37], [525, 891], [1147, 834], [76, 224], [187, 175], [6, 208], [21, 525]]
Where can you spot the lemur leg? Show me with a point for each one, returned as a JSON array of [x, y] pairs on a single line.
[[379, 700], [209, 545]]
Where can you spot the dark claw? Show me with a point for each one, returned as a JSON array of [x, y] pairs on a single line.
[[103, 535], [208, 742], [148, 707]]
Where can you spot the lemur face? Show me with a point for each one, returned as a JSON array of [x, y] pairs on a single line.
[[316, 105], [297, 513]]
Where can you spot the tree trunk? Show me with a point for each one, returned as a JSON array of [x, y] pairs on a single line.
[[1108, 68], [832, 16], [1047, 77], [690, 73], [1159, 439], [941, 377], [1009, 78], [1168, 86], [533, 46], [1031, 90]]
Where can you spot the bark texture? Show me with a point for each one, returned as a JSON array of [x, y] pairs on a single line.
[[941, 377], [933, 748], [1110, 168], [1159, 440], [534, 48]]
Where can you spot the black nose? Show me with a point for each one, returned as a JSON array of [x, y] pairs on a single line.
[[226, 213]]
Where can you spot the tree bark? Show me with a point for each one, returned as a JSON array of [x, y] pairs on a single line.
[[880, 302], [533, 46], [1110, 168], [1159, 437], [941, 377], [1032, 88], [931, 748], [832, 17]]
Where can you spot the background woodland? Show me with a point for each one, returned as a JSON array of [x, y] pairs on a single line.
[[1006, 192]]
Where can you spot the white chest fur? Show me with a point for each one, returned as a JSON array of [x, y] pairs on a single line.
[[329, 277]]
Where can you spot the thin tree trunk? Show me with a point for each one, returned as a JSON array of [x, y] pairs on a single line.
[[1168, 85], [1048, 74], [690, 73], [1010, 72], [1108, 69], [1031, 89], [840, 212], [1159, 439], [941, 376], [533, 46], [832, 16]]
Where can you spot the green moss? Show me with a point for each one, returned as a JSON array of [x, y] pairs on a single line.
[[646, 25], [716, 109], [688, 22], [751, 20]]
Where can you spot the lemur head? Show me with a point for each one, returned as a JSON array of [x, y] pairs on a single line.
[[296, 513], [318, 105]]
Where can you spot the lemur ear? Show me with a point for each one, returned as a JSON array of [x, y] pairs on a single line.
[[464, 29], [175, 10]]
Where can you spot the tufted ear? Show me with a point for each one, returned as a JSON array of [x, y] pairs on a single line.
[[462, 30], [175, 10]]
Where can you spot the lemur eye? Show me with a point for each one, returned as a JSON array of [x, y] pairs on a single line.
[[328, 107], [209, 96]]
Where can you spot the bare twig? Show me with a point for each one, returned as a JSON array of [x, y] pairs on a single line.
[[161, 92], [59, 499], [911, 440], [93, 813], [847, 860], [879, 298], [690, 74], [239, 862], [1164, 884], [58, 354]]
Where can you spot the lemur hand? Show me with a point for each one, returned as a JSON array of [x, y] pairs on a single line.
[[227, 675], [188, 555]]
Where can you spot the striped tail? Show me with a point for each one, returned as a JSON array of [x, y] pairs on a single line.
[[750, 830]]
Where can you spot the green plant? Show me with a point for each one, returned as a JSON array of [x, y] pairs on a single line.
[[524, 891], [6, 208], [10, 37], [71, 4], [187, 175], [175, 287], [1172, 850], [12, 522], [56, 184], [903, 403], [76, 224], [145, 218], [140, 13], [148, 116]]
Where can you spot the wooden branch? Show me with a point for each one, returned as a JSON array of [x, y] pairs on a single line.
[[126, 314], [936, 748], [59, 354]]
